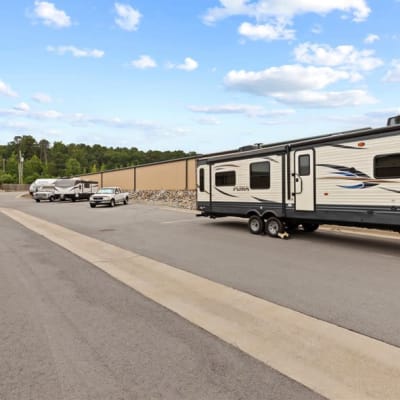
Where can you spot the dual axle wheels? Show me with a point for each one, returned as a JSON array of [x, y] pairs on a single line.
[[274, 227]]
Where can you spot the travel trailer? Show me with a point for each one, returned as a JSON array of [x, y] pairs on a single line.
[[348, 178], [38, 183], [74, 189]]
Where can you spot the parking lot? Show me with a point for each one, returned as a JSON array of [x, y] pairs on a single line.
[[343, 278]]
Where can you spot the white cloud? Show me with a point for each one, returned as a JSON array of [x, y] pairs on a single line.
[[24, 107], [287, 78], [251, 111], [6, 90], [50, 15], [189, 64], [265, 9], [345, 56], [266, 32], [144, 62], [75, 51], [208, 121], [298, 85], [317, 29], [128, 18], [320, 99], [83, 120], [371, 38], [42, 98], [393, 75]]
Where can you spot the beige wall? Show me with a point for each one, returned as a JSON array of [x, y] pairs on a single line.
[[124, 178], [169, 175], [192, 174], [92, 177]]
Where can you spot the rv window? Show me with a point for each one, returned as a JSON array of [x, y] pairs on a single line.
[[304, 165], [87, 185], [387, 166], [201, 179], [225, 178], [260, 175]]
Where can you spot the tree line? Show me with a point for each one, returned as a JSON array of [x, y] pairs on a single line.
[[41, 159]]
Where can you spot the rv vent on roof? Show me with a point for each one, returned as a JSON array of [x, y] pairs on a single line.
[[394, 121], [250, 147]]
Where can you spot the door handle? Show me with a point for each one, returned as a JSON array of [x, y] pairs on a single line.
[[299, 182]]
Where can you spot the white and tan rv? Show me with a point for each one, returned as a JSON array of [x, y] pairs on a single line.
[[348, 178]]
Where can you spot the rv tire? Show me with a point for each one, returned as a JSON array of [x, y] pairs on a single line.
[[273, 226], [256, 225]]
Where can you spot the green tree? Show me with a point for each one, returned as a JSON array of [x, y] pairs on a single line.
[[33, 166], [72, 167], [12, 165]]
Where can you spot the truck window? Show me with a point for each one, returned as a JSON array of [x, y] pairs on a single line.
[[260, 177], [387, 166], [227, 178]]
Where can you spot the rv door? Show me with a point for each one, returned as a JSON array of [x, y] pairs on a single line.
[[304, 182]]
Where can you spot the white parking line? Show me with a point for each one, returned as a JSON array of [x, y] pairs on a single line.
[[332, 361]]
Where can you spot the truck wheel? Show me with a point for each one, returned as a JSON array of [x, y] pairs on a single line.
[[126, 199], [273, 226], [112, 203], [308, 227], [37, 200], [93, 205], [256, 225], [51, 198]]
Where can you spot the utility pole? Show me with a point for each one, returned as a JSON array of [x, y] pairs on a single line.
[[20, 169]]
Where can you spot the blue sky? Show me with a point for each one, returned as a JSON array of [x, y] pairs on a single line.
[[196, 75]]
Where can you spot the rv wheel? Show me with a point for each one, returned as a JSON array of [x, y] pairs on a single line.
[[256, 225], [273, 226], [310, 227]]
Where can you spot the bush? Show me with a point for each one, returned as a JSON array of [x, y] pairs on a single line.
[[32, 178], [7, 178]]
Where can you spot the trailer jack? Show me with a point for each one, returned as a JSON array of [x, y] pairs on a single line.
[[283, 235]]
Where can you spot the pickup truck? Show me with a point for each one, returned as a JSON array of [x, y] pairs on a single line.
[[45, 193], [110, 196]]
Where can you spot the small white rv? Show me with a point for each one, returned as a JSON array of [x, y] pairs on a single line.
[[38, 183], [348, 178], [74, 189]]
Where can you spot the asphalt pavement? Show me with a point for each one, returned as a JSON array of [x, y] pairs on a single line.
[[69, 331], [66, 327]]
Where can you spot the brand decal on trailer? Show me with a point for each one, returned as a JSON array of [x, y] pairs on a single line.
[[226, 194], [351, 174], [241, 189]]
